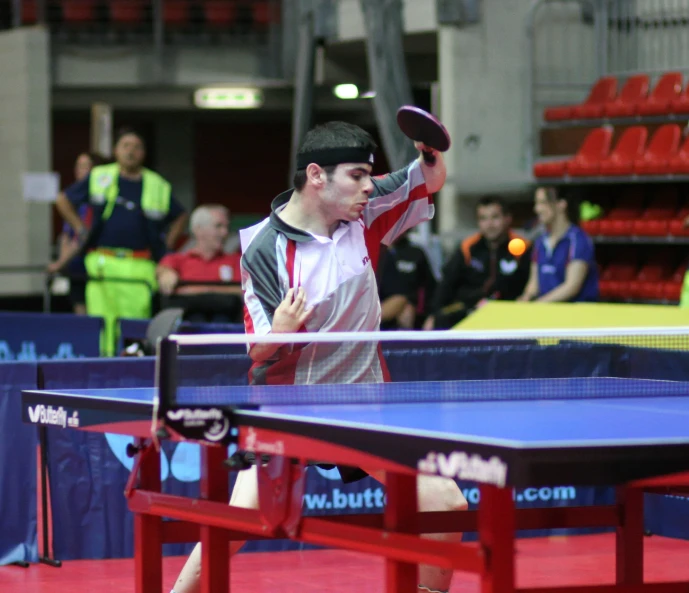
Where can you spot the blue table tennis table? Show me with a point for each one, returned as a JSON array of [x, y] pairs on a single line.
[[628, 433]]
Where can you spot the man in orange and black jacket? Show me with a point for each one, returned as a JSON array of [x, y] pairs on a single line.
[[482, 268]]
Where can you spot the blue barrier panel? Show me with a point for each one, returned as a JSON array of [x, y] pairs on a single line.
[[18, 449], [667, 515], [211, 328], [132, 330], [135, 329], [88, 471], [45, 336], [90, 517]]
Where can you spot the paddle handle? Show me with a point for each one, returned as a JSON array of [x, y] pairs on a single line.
[[428, 158]]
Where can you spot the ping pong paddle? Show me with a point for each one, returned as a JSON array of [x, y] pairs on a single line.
[[421, 126]]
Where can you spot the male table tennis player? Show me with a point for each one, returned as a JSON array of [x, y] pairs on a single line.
[[310, 266]]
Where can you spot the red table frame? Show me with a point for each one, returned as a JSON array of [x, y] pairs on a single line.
[[394, 535]]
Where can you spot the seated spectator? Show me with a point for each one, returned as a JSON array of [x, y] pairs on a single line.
[[482, 268], [406, 285], [563, 267], [204, 280]]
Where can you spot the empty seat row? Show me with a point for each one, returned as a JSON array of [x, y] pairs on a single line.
[[630, 221], [174, 12], [633, 99], [633, 154], [652, 281]]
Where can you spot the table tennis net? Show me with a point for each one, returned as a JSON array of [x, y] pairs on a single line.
[[342, 368]]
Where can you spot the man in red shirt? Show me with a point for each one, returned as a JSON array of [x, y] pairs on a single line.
[[206, 261]]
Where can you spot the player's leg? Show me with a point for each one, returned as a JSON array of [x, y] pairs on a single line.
[[438, 494], [244, 496], [435, 494]]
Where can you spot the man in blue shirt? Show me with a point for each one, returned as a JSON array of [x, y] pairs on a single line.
[[563, 266], [136, 219], [69, 259]]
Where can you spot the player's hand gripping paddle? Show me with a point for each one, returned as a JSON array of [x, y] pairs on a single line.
[[421, 126]]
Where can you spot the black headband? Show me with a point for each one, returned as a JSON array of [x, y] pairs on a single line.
[[334, 156]]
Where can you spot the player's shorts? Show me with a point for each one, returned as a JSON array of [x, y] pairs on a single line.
[[348, 474]]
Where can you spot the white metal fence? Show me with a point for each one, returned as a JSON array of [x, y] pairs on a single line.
[[574, 42]]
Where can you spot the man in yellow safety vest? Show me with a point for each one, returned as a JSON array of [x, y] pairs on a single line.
[[136, 219]]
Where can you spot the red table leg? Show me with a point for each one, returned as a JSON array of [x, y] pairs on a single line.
[[148, 542], [629, 540], [496, 520], [400, 515], [215, 549]]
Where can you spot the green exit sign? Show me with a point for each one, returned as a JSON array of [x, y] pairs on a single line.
[[228, 98]]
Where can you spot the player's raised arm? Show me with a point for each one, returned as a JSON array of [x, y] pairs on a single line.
[[430, 138], [434, 173], [399, 201]]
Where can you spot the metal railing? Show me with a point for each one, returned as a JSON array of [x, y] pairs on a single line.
[[31, 270], [49, 277], [571, 43]]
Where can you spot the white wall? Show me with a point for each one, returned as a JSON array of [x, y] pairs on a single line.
[[484, 100], [419, 16], [25, 146], [133, 66]]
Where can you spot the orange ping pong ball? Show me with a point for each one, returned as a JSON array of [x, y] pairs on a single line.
[[516, 247]]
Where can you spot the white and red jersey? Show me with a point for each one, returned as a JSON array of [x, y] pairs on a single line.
[[338, 277]]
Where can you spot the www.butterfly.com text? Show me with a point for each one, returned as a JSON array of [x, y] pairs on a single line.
[[374, 498]]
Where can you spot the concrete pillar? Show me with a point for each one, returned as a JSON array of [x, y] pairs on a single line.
[[482, 70], [25, 143]]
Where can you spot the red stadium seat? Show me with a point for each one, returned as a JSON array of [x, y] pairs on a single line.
[[591, 227], [29, 12], [672, 289], [679, 164], [603, 90], [595, 147], [634, 91], [619, 221], [556, 168], [663, 145], [79, 11], [615, 278], [655, 220], [127, 11], [176, 12], [649, 282], [665, 92], [219, 13], [651, 227], [261, 13], [676, 226], [680, 105], [629, 147]]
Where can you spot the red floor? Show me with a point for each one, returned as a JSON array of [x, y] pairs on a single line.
[[577, 560]]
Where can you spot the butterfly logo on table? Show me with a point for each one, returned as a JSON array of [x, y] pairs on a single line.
[[184, 463]]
